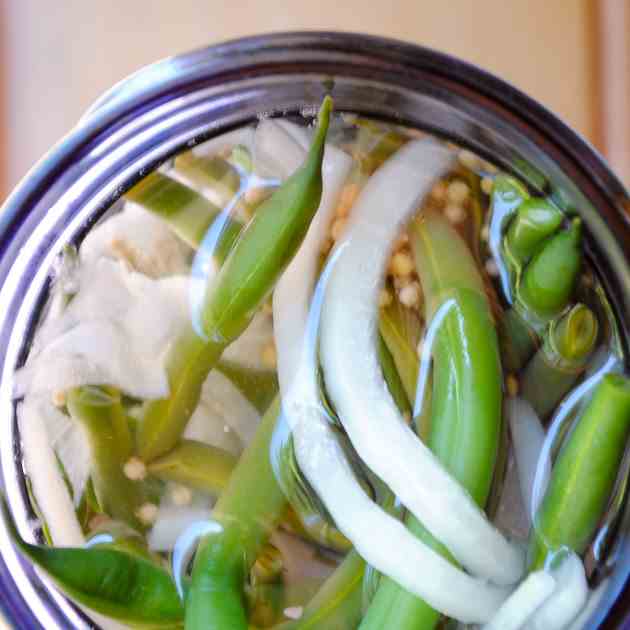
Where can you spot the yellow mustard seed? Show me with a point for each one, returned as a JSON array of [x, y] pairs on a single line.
[[401, 264], [457, 191]]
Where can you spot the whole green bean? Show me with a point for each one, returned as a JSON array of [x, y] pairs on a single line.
[[584, 474], [267, 245], [535, 220], [259, 387], [248, 510], [557, 365], [100, 412], [196, 465], [255, 262], [120, 585], [549, 279], [189, 214], [466, 399], [543, 291]]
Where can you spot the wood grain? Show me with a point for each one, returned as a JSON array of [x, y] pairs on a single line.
[[4, 140], [614, 78]]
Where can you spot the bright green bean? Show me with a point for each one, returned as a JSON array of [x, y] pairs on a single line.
[[259, 387], [266, 246], [535, 220], [248, 509], [100, 412], [544, 290], [120, 585], [189, 214], [196, 465], [257, 259], [466, 399], [584, 474], [557, 365], [548, 280]]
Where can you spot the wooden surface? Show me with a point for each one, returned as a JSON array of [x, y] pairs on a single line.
[[614, 72], [62, 55]]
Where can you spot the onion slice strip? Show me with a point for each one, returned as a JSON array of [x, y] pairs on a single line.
[[355, 381], [382, 540]]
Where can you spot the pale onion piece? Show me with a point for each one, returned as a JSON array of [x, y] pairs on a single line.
[[49, 489], [584, 619], [383, 541], [228, 405], [568, 599], [355, 381], [277, 153], [226, 142], [114, 332], [528, 437], [94, 353], [535, 590], [70, 442], [294, 289], [172, 522], [140, 239]]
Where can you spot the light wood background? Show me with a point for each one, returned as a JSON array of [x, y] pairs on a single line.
[[59, 56]]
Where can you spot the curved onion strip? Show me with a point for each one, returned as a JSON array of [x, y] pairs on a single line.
[[47, 484], [382, 540], [567, 601], [535, 590], [528, 437], [355, 382]]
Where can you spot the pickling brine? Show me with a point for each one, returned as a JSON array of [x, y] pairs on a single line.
[[329, 375]]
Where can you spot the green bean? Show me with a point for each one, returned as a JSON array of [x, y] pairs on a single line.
[[584, 474], [248, 510], [100, 412], [257, 259], [549, 279], [337, 605], [120, 585], [535, 220], [544, 290], [266, 246], [560, 361], [259, 387], [466, 399], [507, 195], [188, 213], [196, 465]]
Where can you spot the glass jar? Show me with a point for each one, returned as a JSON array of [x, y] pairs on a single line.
[[174, 104]]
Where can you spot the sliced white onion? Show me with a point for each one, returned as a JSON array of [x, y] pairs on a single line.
[[527, 599], [48, 486], [355, 381], [139, 238], [528, 436], [382, 540], [71, 444], [567, 600]]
